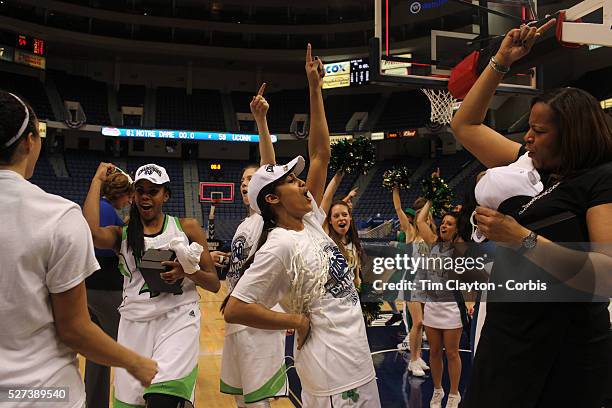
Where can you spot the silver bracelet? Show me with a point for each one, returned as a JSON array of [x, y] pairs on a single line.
[[496, 66]]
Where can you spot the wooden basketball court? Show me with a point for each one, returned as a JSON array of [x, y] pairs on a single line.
[[211, 347]]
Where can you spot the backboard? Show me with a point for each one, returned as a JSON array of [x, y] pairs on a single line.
[[217, 192], [418, 42]]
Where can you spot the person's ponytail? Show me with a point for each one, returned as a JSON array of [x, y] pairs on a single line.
[[269, 225], [135, 234]]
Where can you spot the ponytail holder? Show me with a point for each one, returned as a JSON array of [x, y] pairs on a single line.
[[24, 124]]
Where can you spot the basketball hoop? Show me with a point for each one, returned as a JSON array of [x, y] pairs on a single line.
[[441, 105]]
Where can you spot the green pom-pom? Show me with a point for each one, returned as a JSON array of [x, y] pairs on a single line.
[[440, 195], [353, 156], [397, 177]]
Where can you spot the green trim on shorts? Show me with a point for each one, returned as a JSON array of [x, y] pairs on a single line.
[[178, 223], [270, 388], [183, 387], [228, 389], [121, 404], [124, 233]]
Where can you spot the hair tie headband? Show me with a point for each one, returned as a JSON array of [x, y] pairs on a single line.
[[26, 120]]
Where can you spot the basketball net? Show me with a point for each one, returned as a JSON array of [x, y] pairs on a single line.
[[441, 102]]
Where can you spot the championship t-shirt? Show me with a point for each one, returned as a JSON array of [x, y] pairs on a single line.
[[243, 245], [336, 357]]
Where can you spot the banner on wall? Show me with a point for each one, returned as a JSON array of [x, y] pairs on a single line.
[[31, 60]]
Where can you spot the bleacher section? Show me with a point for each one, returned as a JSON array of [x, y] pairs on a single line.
[[405, 110], [29, 88], [340, 108], [241, 101], [283, 105], [131, 95], [377, 200], [202, 110], [45, 178], [91, 94], [450, 165], [81, 166]]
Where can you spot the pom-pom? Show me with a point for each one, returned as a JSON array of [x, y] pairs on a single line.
[[397, 177], [439, 193], [353, 156]]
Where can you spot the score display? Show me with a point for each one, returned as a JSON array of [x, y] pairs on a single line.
[[360, 71], [187, 135], [32, 45], [346, 73]]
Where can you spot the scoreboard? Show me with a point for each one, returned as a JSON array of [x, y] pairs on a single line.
[[32, 45], [346, 73]]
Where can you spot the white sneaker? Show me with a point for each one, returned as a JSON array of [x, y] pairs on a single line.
[[415, 368], [453, 401], [423, 364], [436, 398]]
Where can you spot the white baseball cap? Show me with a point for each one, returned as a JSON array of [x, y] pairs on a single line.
[[152, 172], [270, 173]]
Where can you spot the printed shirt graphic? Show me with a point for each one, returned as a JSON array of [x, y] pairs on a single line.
[[244, 243], [139, 302], [336, 357], [437, 271]]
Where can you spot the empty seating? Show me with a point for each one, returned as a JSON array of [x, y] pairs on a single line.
[[202, 110], [29, 88], [92, 95]]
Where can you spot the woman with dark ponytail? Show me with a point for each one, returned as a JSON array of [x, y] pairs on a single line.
[[46, 252], [300, 267], [147, 315]]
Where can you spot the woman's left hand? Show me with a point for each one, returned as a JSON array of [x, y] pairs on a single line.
[[499, 227], [173, 274]]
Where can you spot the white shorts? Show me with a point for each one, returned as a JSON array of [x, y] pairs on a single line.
[[253, 364], [365, 396], [442, 315], [173, 340]]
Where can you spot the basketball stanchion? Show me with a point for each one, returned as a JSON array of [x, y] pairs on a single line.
[[211, 218]]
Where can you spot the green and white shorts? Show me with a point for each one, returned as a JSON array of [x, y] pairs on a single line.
[[365, 396], [173, 340], [253, 365]]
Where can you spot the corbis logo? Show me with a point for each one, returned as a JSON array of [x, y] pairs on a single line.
[[148, 170]]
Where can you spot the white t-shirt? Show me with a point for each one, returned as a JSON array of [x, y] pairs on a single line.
[[243, 245], [337, 357], [46, 248]]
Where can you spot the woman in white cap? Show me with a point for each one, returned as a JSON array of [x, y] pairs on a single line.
[[46, 254], [299, 266], [163, 325]]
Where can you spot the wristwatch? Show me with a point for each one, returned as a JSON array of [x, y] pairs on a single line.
[[528, 242]]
